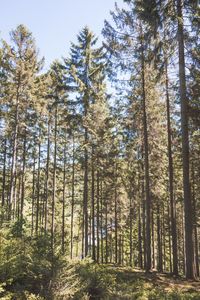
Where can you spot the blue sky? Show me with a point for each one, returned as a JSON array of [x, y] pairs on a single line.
[[54, 23]]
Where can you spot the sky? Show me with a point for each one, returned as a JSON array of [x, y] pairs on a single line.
[[54, 23]]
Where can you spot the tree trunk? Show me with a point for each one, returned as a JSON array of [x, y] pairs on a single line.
[[73, 194], [23, 177], [98, 219], [63, 201], [47, 178], [189, 248], [4, 175], [146, 162], [116, 226], [85, 195], [33, 194], [38, 185], [171, 176], [54, 184], [93, 207]]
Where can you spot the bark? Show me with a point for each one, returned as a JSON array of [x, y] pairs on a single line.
[[93, 208], [33, 194], [140, 259], [54, 184], [189, 248], [38, 186], [73, 194], [116, 227], [47, 178], [171, 177], [146, 163], [98, 219], [195, 222], [4, 173], [85, 195], [23, 177], [159, 239], [131, 234], [63, 202]]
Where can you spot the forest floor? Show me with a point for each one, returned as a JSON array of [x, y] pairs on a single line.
[[136, 284], [86, 280], [110, 282]]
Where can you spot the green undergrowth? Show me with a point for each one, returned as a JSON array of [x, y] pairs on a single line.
[[27, 272], [86, 280]]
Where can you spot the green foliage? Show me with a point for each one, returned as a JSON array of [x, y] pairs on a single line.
[[87, 280], [84, 279], [25, 264], [17, 229], [97, 281]]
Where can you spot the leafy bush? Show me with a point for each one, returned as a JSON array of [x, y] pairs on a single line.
[[83, 280], [25, 263]]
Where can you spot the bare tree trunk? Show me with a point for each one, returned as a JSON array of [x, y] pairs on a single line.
[[159, 239], [47, 178], [13, 168], [171, 177], [63, 201], [116, 227], [189, 248], [4, 173], [106, 229], [98, 218], [85, 195], [73, 194], [146, 162], [54, 185], [93, 207], [140, 260], [33, 194], [195, 223], [23, 177], [38, 185]]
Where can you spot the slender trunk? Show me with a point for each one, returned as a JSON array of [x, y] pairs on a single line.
[[144, 224], [146, 163], [182, 250], [170, 246], [18, 190], [54, 184], [13, 169], [171, 177], [195, 222], [4, 173], [189, 248], [106, 229], [159, 239], [131, 234], [98, 219], [120, 250], [93, 208], [23, 177], [63, 201], [85, 195], [153, 240], [116, 227], [38, 185], [140, 260], [33, 194], [73, 194], [47, 178], [111, 241]]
